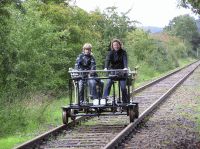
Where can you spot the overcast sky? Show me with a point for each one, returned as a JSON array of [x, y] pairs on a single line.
[[149, 12]]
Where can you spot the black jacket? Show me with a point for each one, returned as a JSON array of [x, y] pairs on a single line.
[[116, 60], [85, 62]]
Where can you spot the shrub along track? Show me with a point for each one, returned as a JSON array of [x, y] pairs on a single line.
[[110, 131]]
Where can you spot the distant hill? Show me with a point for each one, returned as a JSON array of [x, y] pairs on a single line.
[[152, 29]]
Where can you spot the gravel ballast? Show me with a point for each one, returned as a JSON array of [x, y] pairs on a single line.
[[175, 124]]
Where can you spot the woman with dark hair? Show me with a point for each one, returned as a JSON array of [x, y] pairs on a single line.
[[116, 59]]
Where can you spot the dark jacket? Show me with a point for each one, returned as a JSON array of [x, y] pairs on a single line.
[[85, 62], [116, 59]]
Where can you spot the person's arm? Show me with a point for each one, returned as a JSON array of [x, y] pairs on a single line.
[[93, 67], [125, 60], [78, 62], [93, 64], [107, 63]]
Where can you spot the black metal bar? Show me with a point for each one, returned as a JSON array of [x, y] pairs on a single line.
[[119, 91], [110, 70], [103, 114], [70, 90], [113, 93], [85, 88], [99, 89], [78, 92], [129, 96]]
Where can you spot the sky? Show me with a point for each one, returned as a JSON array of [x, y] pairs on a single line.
[[156, 13]]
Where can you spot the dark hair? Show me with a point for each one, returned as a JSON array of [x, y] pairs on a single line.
[[115, 40], [109, 46]]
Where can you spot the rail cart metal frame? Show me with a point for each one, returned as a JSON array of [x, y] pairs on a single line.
[[111, 106]]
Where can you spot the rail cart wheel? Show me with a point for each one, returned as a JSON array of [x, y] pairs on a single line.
[[65, 116], [72, 114], [131, 114], [86, 110]]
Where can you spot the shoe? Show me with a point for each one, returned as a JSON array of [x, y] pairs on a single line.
[[119, 109], [96, 102], [109, 99], [103, 101], [83, 103]]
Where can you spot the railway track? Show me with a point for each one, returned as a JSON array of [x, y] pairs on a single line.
[[110, 131]]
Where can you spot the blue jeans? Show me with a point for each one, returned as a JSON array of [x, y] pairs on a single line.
[[92, 88], [122, 86], [99, 88]]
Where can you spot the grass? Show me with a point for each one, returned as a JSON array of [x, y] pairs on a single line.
[[38, 117], [90, 123], [197, 115], [146, 73], [9, 142]]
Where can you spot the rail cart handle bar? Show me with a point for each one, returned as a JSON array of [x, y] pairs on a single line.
[[110, 70]]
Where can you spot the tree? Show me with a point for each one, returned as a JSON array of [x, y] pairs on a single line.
[[142, 48], [139, 44], [183, 27], [40, 43], [110, 24], [194, 5]]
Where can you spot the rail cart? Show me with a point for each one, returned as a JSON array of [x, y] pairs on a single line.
[[112, 105]]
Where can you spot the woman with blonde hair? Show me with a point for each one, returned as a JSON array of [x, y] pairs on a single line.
[[86, 61]]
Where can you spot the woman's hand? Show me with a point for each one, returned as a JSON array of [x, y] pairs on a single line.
[[125, 69]]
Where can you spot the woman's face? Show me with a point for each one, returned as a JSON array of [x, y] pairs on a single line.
[[87, 51], [116, 46]]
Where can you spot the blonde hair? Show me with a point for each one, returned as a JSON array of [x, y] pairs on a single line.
[[87, 46]]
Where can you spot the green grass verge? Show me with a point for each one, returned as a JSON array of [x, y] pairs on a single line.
[[38, 117], [11, 141], [147, 73], [197, 115]]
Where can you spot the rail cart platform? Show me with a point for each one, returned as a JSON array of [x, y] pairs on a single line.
[[111, 105]]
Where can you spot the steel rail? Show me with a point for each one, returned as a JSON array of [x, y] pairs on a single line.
[[115, 142], [37, 140]]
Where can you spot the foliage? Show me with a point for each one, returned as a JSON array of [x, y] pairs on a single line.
[[140, 44], [185, 28], [38, 45], [110, 24], [173, 44], [40, 40], [9, 116], [142, 48], [194, 5], [45, 39], [182, 26], [11, 141]]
